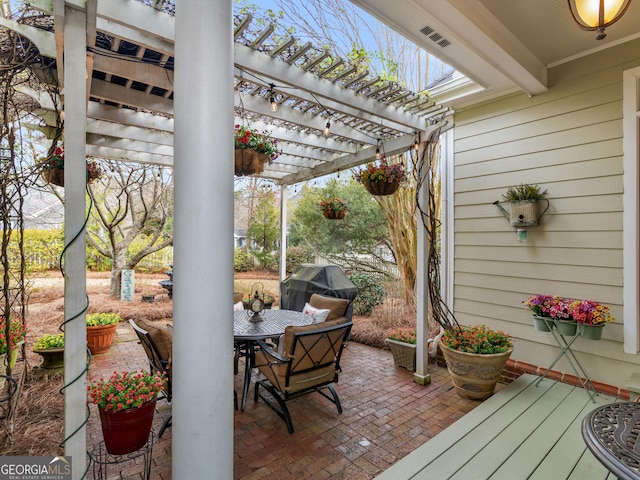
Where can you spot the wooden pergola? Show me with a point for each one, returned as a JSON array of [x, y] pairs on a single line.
[[119, 65], [130, 89]]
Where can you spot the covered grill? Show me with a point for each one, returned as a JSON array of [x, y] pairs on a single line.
[[329, 280]]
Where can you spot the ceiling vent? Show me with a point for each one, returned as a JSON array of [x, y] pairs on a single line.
[[435, 36]]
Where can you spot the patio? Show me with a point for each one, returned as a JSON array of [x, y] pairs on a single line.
[[386, 416]]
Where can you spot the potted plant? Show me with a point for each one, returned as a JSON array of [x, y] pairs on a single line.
[[523, 204], [126, 403], [402, 343], [53, 168], [253, 149], [567, 315], [333, 208], [17, 335], [475, 356], [51, 349], [101, 330], [382, 178], [148, 297]]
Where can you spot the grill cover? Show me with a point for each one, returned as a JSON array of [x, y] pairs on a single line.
[[329, 280]]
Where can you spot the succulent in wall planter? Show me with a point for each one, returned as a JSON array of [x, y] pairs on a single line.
[[523, 201]]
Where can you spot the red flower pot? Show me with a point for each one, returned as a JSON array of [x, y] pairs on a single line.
[[127, 430]]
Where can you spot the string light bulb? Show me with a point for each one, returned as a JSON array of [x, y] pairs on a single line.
[[272, 98], [416, 143], [378, 150], [327, 128]]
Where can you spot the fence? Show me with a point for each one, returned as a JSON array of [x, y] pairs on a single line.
[[367, 263]]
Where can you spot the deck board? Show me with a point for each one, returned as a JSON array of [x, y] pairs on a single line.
[[522, 432]]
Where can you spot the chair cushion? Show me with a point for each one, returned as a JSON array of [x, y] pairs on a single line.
[[319, 315], [276, 373], [238, 306], [160, 335], [337, 306]]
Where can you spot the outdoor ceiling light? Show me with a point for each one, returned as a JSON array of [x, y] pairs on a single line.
[[327, 128], [378, 150], [596, 15], [272, 98]]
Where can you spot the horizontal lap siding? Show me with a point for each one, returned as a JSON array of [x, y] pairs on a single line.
[[569, 141]]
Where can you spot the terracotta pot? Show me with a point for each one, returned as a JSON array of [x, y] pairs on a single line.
[[334, 215], [248, 162], [381, 188], [54, 175], [475, 375], [100, 338], [127, 430]]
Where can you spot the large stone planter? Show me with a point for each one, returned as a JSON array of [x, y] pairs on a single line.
[[474, 375], [404, 354], [52, 358], [100, 338]]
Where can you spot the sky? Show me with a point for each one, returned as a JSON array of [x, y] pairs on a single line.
[[416, 79]]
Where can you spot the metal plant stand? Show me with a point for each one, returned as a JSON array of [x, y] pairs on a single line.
[[101, 459], [566, 351]]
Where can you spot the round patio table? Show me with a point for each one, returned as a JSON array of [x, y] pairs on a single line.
[[246, 333]]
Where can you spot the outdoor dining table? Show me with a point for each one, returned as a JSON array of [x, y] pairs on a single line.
[[611, 433], [247, 332]]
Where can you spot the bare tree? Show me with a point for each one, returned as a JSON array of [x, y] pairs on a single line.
[[131, 202]]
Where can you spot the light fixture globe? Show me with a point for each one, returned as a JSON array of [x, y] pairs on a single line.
[[596, 15]]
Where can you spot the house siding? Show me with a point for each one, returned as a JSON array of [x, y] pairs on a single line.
[[568, 141]]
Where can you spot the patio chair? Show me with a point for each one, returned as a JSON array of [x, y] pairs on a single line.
[[310, 363], [157, 343]]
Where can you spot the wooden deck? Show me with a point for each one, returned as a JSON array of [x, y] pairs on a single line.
[[521, 432]]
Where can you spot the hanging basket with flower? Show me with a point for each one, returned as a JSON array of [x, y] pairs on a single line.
[[383, 178], [252, 150], [126, 403], [53, 168], [333, 208]]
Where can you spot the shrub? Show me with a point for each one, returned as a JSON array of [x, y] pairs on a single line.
[[241, 260], [296, 256], [370, 292]]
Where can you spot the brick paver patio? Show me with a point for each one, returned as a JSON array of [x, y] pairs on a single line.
[[385, 416]]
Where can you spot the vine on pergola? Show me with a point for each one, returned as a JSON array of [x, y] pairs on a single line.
[[17, 55], [425, 170]]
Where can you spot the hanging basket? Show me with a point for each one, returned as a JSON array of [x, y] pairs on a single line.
[[127, 430], [249, 162], [334, 214], [381, 188], [54, 176]]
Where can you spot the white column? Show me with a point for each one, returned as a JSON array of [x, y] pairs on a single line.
[[75, 179], [284, 194], [421, 375], [202, 425]]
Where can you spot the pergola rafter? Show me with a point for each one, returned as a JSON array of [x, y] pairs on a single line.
[[130, 105]]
